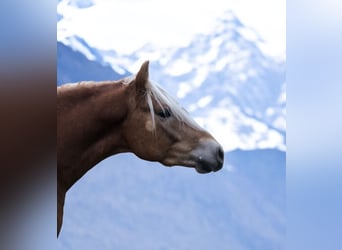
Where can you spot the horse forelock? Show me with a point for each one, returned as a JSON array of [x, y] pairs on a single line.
[[165, 100]]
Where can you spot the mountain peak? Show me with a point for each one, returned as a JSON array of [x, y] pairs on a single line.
[[229, 17], [222, 75]]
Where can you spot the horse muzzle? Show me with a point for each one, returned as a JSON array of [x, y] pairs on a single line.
[[208, 156]]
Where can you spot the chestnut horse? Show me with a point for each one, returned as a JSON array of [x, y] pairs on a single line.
[[98, 119]]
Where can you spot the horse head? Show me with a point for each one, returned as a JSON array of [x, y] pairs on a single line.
[[157, 128]]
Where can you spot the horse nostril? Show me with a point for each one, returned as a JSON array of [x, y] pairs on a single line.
[[220, 154]]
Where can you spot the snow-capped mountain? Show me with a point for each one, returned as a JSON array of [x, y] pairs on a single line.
[[222, 78], [238, 94]]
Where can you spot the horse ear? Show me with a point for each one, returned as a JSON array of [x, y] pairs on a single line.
[[141, 78]]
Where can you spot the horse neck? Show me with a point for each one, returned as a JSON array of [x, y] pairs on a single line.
[[89, 122]]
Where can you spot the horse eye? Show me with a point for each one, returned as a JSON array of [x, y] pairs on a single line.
[[164, 113]]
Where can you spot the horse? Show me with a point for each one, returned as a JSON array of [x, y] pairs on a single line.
[[96, 120]]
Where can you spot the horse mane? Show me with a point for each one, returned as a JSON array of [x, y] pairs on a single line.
[[72, 86], [153, 92]]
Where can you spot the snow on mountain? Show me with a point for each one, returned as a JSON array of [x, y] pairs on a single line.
[[74, 66], [80, 45], [243, 90], [246, 88]]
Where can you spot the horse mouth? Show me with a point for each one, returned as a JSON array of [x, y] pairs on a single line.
[[204, 168]]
